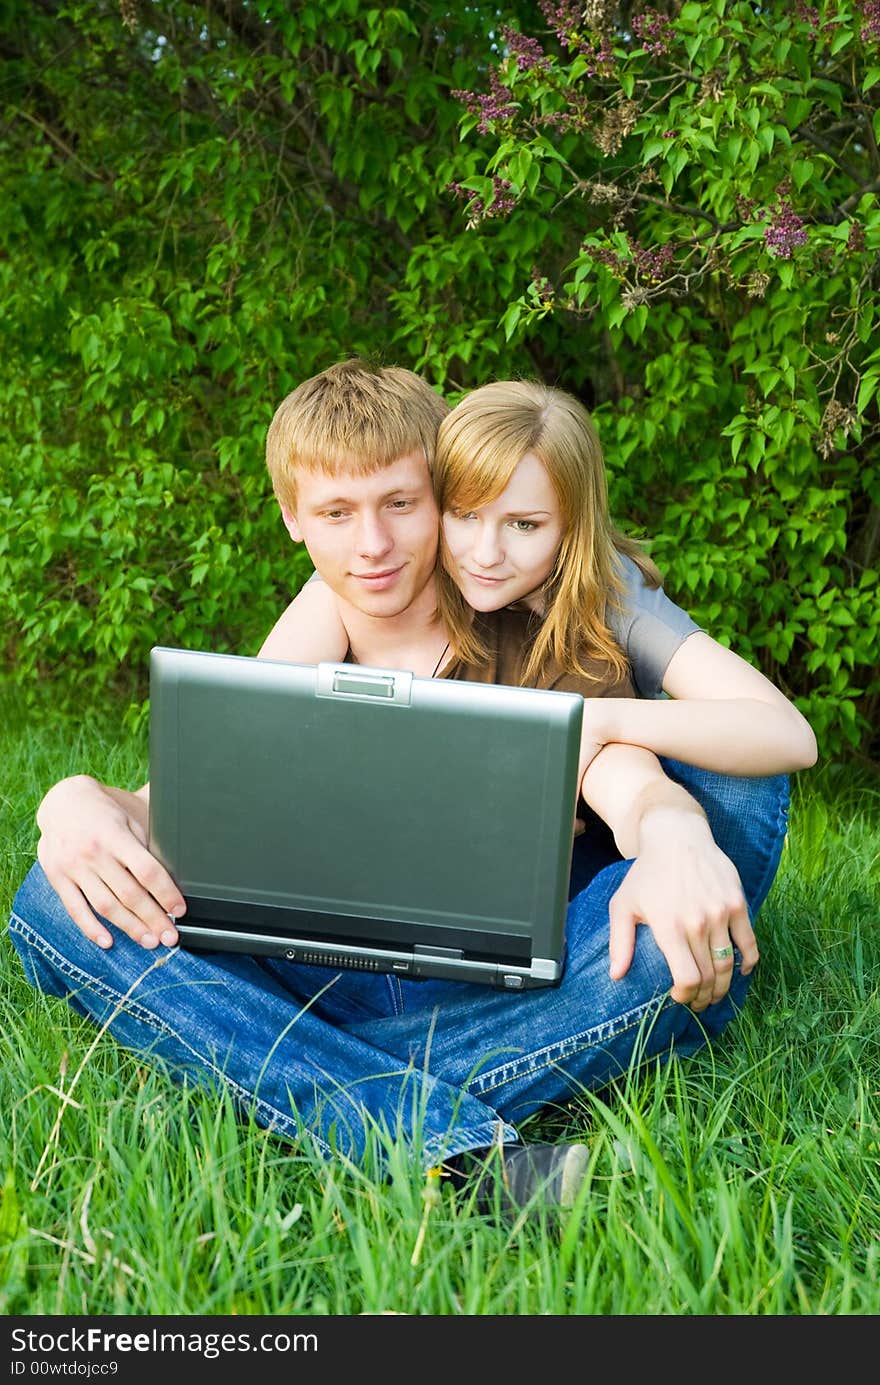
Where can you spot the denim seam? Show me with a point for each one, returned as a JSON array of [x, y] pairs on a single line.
[[552, 1055], [395, 992], [772, 856], [84, 981], [439, 1147]]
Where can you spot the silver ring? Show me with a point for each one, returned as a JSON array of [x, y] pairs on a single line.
[[723, 952]]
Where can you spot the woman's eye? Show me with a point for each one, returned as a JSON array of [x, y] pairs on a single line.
[[524, 526]]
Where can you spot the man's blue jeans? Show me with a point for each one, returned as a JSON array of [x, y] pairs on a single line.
[[446, 1066]]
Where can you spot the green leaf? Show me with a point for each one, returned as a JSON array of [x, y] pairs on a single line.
[[841, 40], [510, 319], [867, 390]]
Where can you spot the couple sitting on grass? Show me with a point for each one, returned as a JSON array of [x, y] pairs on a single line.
[[468, 543]]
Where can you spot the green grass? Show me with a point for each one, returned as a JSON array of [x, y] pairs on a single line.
[[745, 1180]]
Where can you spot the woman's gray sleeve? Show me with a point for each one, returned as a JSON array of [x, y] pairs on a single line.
[[649, 629]]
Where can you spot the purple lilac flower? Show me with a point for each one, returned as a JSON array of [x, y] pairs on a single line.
[[651, 264], [496, 104], [809, 15], [870, 31], [502, 202], [541, 286], [562, 16], [568, 21], [600, 57], [527, 51], [856, 238], [609, 258], [654, 30], [785, 230]]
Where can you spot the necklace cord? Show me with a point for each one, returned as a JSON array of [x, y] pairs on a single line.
[[440, 660]]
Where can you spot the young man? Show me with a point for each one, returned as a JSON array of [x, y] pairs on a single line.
[[343, 1056]]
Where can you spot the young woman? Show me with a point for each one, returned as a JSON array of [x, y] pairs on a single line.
[[520, 481]]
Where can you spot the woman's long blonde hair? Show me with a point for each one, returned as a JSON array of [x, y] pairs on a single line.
[[479, 445]]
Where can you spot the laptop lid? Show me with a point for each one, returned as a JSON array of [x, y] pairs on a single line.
[[362, 817]]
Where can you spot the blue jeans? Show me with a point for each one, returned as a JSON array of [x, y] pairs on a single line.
[[445, 1066]]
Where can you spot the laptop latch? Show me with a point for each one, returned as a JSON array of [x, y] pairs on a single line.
[[443, 954], [360, 684]]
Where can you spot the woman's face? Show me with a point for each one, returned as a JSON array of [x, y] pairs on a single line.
[[505, 551]]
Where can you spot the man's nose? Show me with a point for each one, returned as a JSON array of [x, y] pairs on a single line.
[[374, 537]]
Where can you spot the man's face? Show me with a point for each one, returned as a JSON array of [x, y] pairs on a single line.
[[373, 538]]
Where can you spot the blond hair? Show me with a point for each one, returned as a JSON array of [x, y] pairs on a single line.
[[353, 417], [479, 445]]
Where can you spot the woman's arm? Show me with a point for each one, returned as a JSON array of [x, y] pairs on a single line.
[[309, 631], [680, 883], [720, 714]]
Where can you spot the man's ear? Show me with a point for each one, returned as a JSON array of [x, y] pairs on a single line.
[[291, 525]]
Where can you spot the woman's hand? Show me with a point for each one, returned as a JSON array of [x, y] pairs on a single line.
[[689, 893], [680, 884]]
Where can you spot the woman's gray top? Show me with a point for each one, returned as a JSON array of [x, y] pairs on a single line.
[[649, 629]]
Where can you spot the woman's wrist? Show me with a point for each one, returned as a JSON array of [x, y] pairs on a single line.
[[672, 821]]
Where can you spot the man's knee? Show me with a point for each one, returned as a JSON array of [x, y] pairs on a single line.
[[47, 940]]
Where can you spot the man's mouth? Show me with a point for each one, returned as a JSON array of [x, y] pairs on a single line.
[[376, 581]]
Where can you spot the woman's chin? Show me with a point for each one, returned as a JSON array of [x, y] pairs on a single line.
[[484, 601]]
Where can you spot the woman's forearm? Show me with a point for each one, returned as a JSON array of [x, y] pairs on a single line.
[[730, 736]]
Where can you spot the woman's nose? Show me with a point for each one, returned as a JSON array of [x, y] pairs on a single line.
[[487, 548]]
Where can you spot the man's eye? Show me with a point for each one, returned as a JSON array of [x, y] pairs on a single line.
[[463, 514], [400, 504], [334, 514]]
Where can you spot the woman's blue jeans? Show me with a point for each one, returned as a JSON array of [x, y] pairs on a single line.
[[446, 1066]]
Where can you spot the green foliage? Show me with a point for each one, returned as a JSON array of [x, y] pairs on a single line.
[[695, 194], [211, 204], [673, 213]]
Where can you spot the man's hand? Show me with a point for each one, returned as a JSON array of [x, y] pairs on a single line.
[[680, 884], [93, 849], [684, 887]]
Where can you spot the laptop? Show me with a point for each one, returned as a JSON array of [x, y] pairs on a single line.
[[365, 818]]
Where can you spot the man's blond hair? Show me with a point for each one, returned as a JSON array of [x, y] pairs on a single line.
[[354, 418]]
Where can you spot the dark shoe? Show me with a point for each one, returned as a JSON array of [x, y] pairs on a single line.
[[511, 1177]]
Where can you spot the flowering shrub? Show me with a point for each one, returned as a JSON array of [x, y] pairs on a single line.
[[695, 189], [670, 210]]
